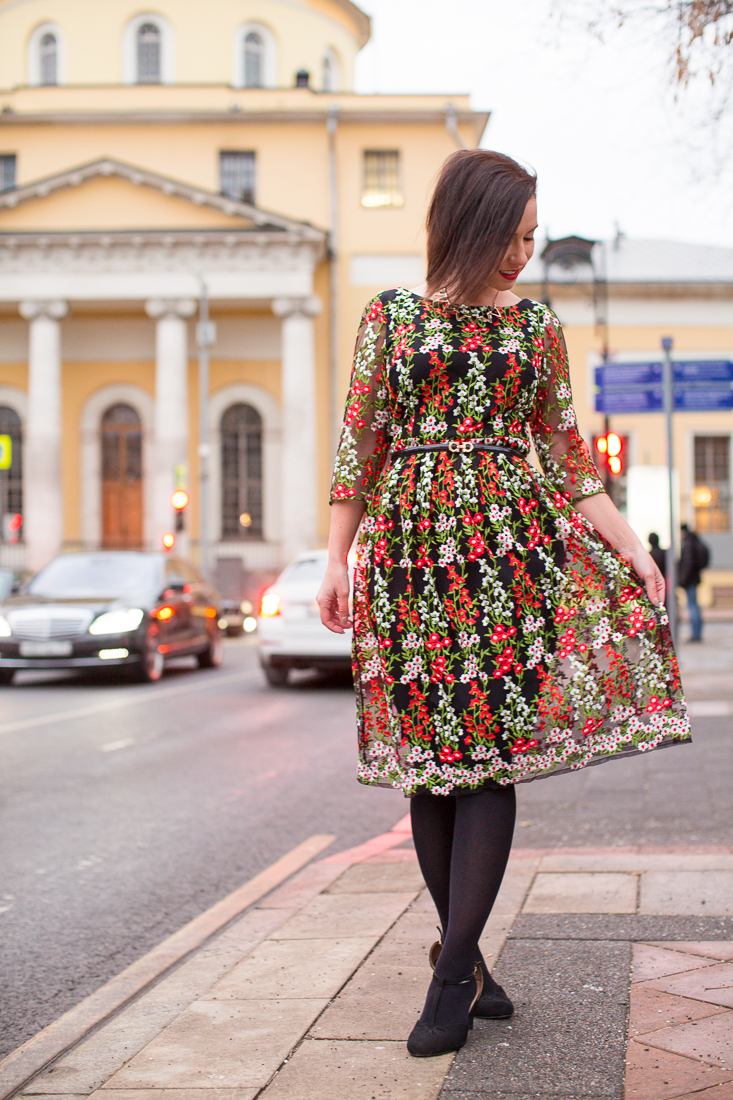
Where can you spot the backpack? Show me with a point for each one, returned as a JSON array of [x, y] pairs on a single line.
[[700, 553]]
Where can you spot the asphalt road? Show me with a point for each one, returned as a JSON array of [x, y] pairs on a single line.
[[128, 810]]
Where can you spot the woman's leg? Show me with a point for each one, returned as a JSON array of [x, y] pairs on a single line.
[[432, 817], [482, 838]]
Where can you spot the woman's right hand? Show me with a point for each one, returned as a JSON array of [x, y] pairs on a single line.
[[333, 598]]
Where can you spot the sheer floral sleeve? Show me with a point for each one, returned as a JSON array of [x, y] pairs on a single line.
[[560, 447], [364, 439]]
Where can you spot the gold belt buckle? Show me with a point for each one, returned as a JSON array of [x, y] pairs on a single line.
[[461, 446]]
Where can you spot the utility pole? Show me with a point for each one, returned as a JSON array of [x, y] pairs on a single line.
[[205, 336], [334, 425], [668, 386]]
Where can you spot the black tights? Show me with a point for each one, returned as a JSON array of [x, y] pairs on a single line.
[[462, 846]]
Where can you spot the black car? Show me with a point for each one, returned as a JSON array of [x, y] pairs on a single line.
[[128, 610]]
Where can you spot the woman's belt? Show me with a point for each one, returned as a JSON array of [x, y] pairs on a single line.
[[457, 446]]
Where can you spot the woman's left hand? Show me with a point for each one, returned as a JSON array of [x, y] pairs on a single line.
[[643, 565]]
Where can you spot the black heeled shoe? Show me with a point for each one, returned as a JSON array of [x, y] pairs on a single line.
[[493, 1004], [428, 1038]]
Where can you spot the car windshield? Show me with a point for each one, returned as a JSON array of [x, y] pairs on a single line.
[[306, 569], [96, 576]]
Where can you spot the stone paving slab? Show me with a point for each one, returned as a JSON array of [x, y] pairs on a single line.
[[381, 1002], [285, 969], [686, 893], [344, 916], [582, 892], [357, 1071], [217, 1044]]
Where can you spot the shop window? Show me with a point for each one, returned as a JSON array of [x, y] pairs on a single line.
[[711, 493], [122, 479], [382, 185], [7, 172], [241, 473], [149, 54], [237, 175], [11, 479]]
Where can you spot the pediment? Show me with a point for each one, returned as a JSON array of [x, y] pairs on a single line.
[[108, 195]]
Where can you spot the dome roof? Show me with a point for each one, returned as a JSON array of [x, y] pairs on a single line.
[[245, 43]]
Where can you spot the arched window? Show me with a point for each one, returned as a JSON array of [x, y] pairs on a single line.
[[122, 472], [254, 60], [11, 480], [241, 473], [48, 59], [148, 54], [331, 71]]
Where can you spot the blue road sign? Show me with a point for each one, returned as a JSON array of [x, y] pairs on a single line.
[[699, 386]]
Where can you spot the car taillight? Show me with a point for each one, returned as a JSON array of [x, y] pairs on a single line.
[[211, 612], [165, 613], [270, 604]]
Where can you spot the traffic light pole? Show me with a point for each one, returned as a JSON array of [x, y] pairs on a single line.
[[671, 597]]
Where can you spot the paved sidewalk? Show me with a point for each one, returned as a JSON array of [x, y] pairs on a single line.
[[310, 995]]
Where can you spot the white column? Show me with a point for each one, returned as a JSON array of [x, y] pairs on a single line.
[[43, 520], [170, 445], [298, 464]]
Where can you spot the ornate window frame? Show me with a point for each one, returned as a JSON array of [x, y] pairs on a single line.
[[271, 55], [90, 426], [248, 394], [129, 48], [34, 54]]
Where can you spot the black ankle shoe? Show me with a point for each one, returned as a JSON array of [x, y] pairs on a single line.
[[429, 1038], [493, 1004]]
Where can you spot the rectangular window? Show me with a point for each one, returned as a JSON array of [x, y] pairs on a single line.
[[7, 172], [711, 494], [237, 175], [382, 183]]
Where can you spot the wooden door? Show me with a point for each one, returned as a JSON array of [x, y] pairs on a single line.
[[122, 484]]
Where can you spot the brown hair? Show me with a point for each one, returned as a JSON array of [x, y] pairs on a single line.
[[477, 205]]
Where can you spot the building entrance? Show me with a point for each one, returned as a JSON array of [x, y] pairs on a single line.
[[122, 484]]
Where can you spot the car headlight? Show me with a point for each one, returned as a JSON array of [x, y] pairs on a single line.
[[5, 630], [117, 622]]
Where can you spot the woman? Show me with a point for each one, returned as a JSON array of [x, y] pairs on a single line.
[[508, 624]]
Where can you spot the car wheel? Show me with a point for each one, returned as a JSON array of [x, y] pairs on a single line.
[[212, 656], [6, 675], [150, 668], [276, 675]]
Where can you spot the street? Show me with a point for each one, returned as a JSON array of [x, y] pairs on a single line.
[[128, 810]]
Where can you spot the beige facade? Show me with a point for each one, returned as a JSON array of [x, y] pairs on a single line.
[[141, 155]]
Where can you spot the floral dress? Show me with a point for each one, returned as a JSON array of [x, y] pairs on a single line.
[[498, 637]]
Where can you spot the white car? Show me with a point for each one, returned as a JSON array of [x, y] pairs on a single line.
[[290, 631]]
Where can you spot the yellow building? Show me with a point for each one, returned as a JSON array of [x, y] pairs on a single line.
[[145, 155]]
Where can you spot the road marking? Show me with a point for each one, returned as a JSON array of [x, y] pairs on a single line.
[[113, 746], [28, 1060], [143, 695]]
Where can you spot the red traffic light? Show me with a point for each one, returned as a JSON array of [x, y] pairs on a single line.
[[179, 500], [612, 447], [169, 540]]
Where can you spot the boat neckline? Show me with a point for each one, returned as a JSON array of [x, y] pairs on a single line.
[[462, 305]]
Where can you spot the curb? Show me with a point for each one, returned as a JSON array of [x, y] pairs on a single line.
[[36, 1054]]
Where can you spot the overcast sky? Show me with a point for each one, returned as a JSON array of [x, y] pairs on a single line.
[[598, 122]]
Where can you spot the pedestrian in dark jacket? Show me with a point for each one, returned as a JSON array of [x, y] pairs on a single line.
[[659, 556], [694, 557]]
